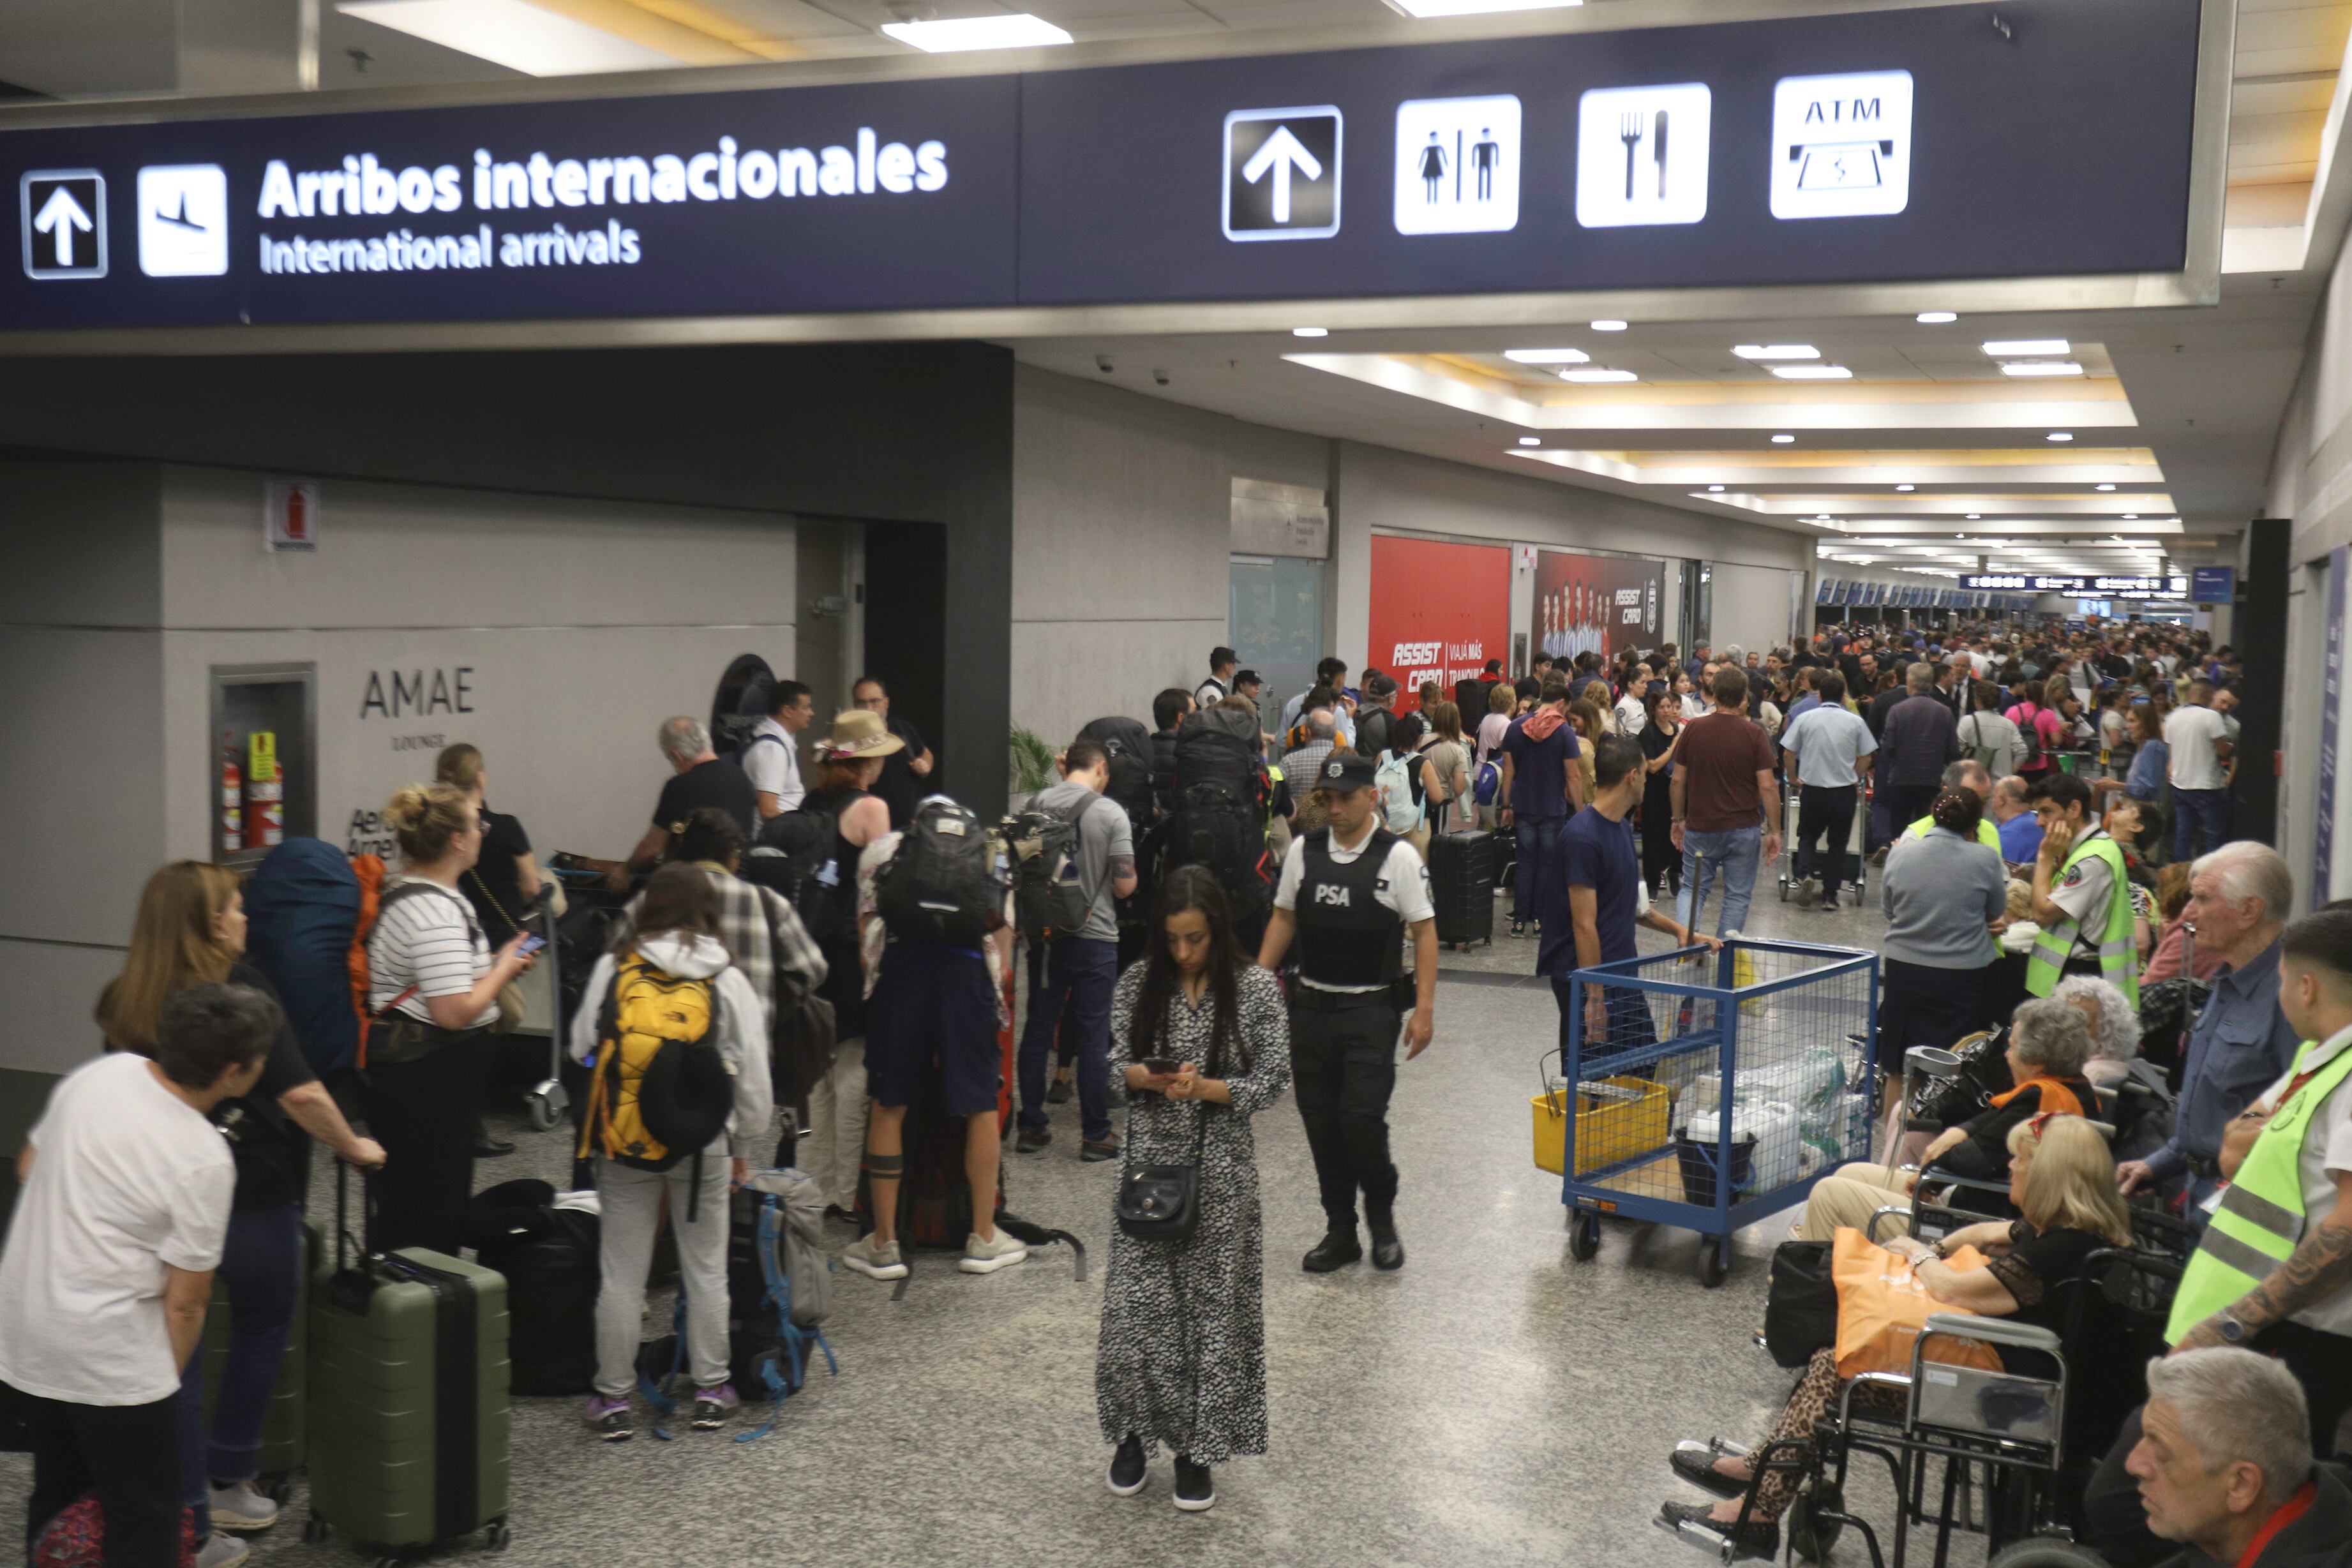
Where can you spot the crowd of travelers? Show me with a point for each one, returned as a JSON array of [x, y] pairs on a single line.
[[1247, 897]]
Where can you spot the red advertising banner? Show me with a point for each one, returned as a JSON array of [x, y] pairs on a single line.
[[1439, 612], [1597, 604]]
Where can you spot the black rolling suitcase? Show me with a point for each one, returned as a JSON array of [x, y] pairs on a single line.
[[1462, 870]]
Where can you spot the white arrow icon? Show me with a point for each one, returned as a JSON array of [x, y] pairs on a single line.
[[1281, 152], [61, 215]]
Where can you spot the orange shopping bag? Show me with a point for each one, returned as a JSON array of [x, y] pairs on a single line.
[[1881, 1307]]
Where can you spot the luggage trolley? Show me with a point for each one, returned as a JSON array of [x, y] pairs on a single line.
[[1719, 1089]]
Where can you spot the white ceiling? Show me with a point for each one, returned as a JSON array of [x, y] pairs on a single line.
[[2187, 401]]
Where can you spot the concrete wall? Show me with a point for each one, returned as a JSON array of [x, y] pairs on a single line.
[[1750, 605], [581, 625], [1382, 490], [1121, 529]]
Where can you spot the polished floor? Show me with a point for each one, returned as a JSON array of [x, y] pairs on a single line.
[[1494, 1403]]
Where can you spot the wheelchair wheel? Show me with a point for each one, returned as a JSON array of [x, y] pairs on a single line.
[[2046, 1552], [1810, 1538]]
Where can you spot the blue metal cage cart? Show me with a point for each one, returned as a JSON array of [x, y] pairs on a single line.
[[1711, 1089]]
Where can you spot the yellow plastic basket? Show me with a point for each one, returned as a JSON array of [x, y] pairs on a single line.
[[1616, 1119]]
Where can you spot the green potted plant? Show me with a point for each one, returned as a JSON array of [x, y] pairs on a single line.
[[1030, 765]]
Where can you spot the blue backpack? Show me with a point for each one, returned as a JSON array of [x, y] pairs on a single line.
[[302, 909], [1486, 782]]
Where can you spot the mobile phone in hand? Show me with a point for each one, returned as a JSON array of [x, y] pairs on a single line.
[[529, 945], [1160, 1066]]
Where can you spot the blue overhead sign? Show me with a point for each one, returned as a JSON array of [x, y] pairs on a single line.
[[2212, 584], [1909, 144]]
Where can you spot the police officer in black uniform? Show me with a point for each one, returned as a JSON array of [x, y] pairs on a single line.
[[1350, 895]]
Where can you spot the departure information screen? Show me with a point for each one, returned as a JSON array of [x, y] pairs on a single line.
[[2037, 138]]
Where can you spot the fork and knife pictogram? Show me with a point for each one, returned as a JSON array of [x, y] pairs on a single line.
[[1629, 131]]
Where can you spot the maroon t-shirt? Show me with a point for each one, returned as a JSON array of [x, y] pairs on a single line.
[[1718, 760]]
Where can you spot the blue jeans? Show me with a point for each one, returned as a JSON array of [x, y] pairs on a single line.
[[1735, 854], [1535, 837], [260, 1265], [1069, 994], [2193, 809]]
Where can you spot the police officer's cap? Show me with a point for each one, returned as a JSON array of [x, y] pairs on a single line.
[[1344, 771]]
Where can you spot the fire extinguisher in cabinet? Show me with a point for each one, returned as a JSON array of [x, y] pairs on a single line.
[[232, 798], [265, 793]]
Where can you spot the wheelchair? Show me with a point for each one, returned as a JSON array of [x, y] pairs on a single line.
[[2018, 1442]]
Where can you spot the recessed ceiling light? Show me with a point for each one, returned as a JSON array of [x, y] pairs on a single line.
[[1934, 317], [1974, 515], [1531, 441], [2040, 368], [954, 34], [1812, 373], [1776, 352], [2060, 435], [1310, 332], [1960, 535], [510, 32], [1609, 326], [1822, 518], [2106, 486], [1475, 7], [1546, 356], [1907, 486], [2027, 347], [1598, 375], [1782, 440], [1715, 489], [2131, 517]]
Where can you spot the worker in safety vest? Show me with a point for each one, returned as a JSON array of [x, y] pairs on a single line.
[[2274, 1271], [2081, 898], [1965, 774]]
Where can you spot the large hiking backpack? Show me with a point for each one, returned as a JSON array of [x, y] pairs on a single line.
[[302, 910], [660, 1090], [794, 856], [941, 884], [1049, 899], [795, 1245], [1129, 744], [1218, 821]]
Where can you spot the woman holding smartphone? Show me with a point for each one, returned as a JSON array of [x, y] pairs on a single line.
[[1201, 1039]]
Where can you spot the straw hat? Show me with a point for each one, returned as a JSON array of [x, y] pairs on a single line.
[[858, 733]]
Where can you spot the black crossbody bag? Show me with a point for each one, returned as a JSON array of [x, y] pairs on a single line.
[[1162, 1203]]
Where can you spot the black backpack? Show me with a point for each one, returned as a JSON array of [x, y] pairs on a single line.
[[941, 886], [795, 857], [1130, 746], [1049, 899], [1214, 827]]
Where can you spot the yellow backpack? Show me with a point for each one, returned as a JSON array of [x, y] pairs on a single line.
[[660, 1089]]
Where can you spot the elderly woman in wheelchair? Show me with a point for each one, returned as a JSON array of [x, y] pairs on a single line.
[[2049, 1043], [2062, 1180]]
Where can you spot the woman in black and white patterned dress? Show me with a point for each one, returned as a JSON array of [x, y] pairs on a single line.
[[1182, 1359]]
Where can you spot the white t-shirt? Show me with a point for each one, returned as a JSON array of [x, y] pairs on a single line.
[[2326, 1155], [127, 1179], [773, 764], [1992, 731], [1403, 885], [429, 940], [2190, 732], [1630, 718]]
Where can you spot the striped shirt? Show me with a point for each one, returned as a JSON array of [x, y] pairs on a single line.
[[429, 940]]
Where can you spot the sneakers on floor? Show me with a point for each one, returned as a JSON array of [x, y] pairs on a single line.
[[1095, 1151], [1127, 1473], [222, 1550], [1031, 1139], [1196, 1487], [874, 1258], [999, 1252], [609, 1420], [1058, 1093], [238, 1507], [1518, 927], [1808, 894], [713, 1406]]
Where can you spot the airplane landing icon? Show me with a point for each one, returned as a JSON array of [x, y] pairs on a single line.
[[182, 220]]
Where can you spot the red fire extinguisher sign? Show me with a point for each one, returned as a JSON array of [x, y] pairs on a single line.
[[290, 514]]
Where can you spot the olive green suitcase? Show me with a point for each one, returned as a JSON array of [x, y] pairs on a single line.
[[408, 1420], [281, 1430]]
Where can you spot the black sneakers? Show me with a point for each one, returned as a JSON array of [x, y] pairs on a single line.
[[1388, 1252], [1032, 1139], [1337, 1250], [1126, 1470], [1196, 1487]]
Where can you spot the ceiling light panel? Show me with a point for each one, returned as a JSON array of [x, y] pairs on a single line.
[[1598, 375], [2045, 368], [1546, 356], [1776, 352], [1812, 373], [510, 32], [2027, 348], [1476, 7], [954, 35]]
